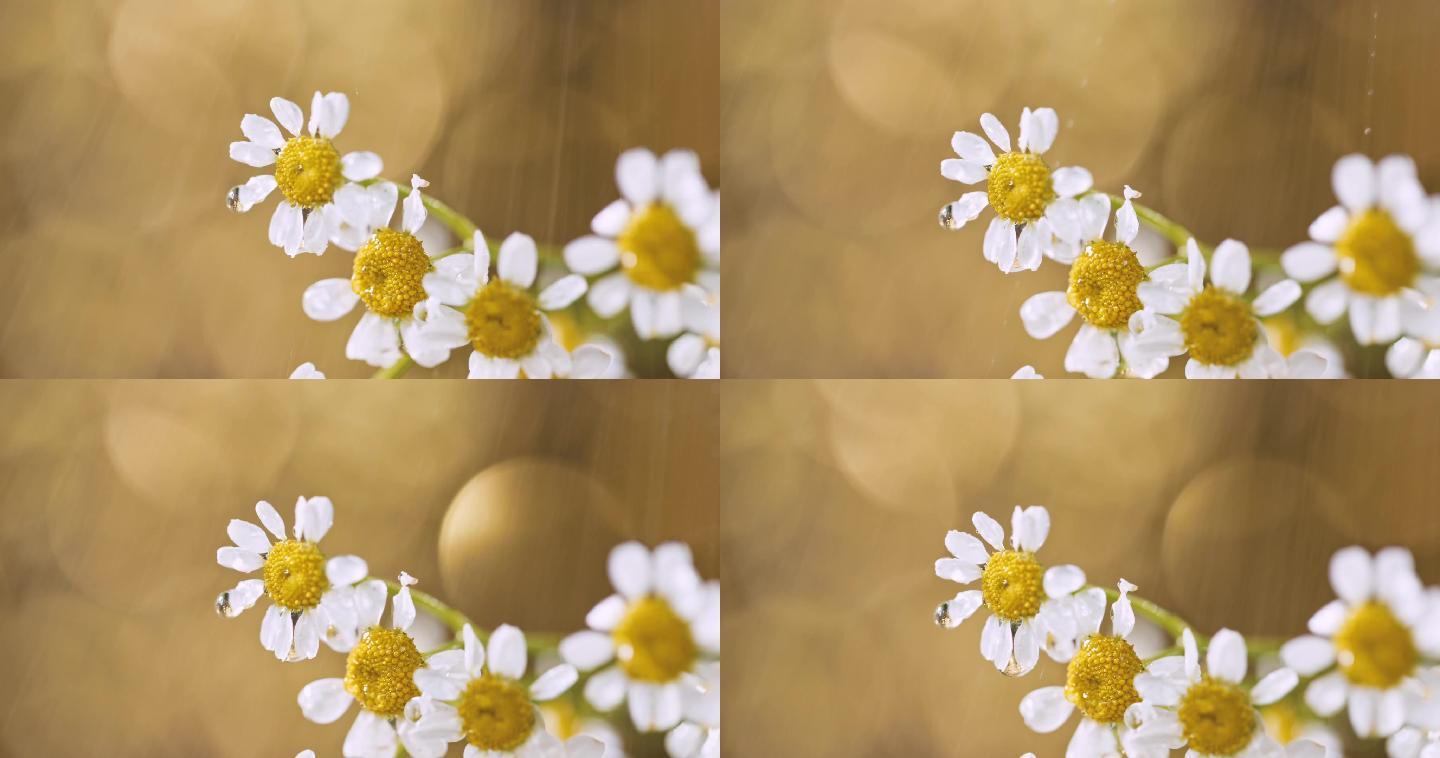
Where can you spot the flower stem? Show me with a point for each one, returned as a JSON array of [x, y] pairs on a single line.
[[1176, 234], [396, 369]]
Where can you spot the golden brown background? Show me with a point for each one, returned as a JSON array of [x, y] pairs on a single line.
[[1227, 114], [121, 259], [1223, 503], [116, 495]]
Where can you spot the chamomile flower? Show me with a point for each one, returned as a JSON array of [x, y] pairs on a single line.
[[379, 675], [662, 624], [499, 317], [696, 353], [307, 370], [663, 235], [1099, 681], [1104, 290], [309, 171], [698, 735], [483, 701], [1381, 244], [1212, 320], [310, 596], [1031, 607], [1205, 709], [387, 277], [1366, 647], [1026, 194]]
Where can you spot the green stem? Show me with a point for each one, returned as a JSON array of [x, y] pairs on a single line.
[[1175, 233], [396, 369]]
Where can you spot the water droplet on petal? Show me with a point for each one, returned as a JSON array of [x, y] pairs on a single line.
[[232, 200], [943, 619], [1012, 668], [223, 607], [947, 218]]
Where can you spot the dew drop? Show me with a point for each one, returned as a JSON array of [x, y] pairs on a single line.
[[223, 608], [1012, 667], [943, 619], [232, 200], [947, 218]]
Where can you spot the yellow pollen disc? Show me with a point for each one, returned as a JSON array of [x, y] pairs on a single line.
[[496, 713], [1100, 679], [380, 671], [1218, 328], [388, 274], [1019, 187], [1012, 585], [1103, 282], [1376, 256], [1216, 718], [657, 250], [1374, 649], [294, 574], [307, 170], [503, 321], [652, 643]]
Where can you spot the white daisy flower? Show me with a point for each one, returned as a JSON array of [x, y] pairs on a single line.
[[1031, 607], [308, 169], [663, 235], [379, 675], [1020, 186], [499, 316], [307, 370], [659, 627], [696, 353], [1103, 290], [1026, 372], [482, 701], [1099, 681], [311, 597], [387, 277], [698, 735], [1213, 321], [1382, 243], [1204, 709], [1370, 640]]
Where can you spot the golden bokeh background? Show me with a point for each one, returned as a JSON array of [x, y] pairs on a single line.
[[121, 257], [504, 503], [1222, 502], [1227, 115]]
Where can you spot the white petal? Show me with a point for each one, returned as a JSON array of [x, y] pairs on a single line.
[[324, 700], [957, 570], [253, 191], [277, 631], [989, 529], [518, 259], [1328, 301], [345, 570], [247, 536], [271, 519], [1309, 261], [1327, 621], [963, 171], [1063, 580], [288, 114], [1330, 225], [962, 606], [1046, 709], [629, 569], [587, 650], [562, 293], [242, 596], [1045, 124], [369, 600], [1275, 685], [964, 210], [370, 737], [1027, 647], [1127, 223], [1000, 244], [251, 154], [313, 518], [1070, 181], [1094, 215], [402, 609], [554, 682], [413, 214], [685, 354], [1122, 615], [609, 295], [995, 131], [453, 280], [1374, 321], [1326, 695], [654, 708], [374, 340], [1094, 353], [1230, 266], [997, 642], [1045, 313], [972, 147], [1364, 711], [287, 227], [611, 220], [591, 255], [1308, 655], [965, 547], [329, 299], [1354, 181], [1226, 658], [238, 559], [1029, 527], [606, 689], [308, 629], [439, 683], [1404, 358], [507, 652], [638, 176], [482, 367], [361, 165], [1277, 297]]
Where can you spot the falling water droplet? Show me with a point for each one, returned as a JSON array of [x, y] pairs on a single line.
[[943, 619], [224, 608], [232, 200], [947, 218], [1367, 131]]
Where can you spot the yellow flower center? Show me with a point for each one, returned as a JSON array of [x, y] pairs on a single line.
[[1218, 328], [1373, 648], [1216, 718], [380, 671], [1103, 282], [503, 321], [496, 713], [652, 643], [1019, 187], [388, 274], [294, 574], [1012, 585], [307, 170], [1376, 257], [657, 250], [1100, 679]]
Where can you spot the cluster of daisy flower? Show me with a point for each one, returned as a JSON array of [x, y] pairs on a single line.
[[653, 645], [1374, 257], [652, 264], [1373, 652]]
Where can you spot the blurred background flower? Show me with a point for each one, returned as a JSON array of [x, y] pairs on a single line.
[[1224, 504], [504, 503], [122, 257]]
